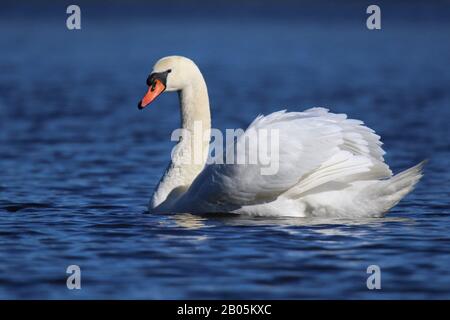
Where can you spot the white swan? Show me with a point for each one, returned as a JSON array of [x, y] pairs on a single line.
[[328, 165]]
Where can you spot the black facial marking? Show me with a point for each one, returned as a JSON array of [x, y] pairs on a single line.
[[161, 76]]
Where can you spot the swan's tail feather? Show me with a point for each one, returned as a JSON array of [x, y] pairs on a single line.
[[407, 179], [394, 189]]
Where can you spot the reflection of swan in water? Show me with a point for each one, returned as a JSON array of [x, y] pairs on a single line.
[[328, 165], [188, 221], [327, 228], [191, 221]]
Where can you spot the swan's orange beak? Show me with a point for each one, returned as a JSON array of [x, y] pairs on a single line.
[[153, 91]]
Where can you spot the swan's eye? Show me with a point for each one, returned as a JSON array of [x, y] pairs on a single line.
[[169, 71], [150, 80]]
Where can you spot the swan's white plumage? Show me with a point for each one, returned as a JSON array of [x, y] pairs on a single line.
[[317, 149], [328, 165]]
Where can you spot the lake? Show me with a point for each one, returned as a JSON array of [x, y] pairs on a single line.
[[79, 161]]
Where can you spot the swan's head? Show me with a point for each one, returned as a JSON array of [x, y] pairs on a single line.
[[171, 73]]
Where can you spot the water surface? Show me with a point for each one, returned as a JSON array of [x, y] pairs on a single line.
[[79, 162]]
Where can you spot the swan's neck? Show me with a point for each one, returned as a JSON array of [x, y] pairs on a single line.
[[190, 154]]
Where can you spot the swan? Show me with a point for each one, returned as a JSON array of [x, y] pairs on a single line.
[[329, 165]]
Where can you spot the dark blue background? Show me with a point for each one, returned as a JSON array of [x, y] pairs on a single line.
[[78, 161]]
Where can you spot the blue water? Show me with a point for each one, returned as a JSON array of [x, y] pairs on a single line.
[[78, 161]]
